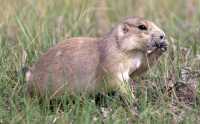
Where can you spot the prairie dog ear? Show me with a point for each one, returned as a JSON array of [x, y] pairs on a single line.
[[123, 29]]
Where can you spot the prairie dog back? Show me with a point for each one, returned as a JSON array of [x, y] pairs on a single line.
[[75, 60]]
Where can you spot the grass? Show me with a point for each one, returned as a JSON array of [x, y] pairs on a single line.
[[34, 26]]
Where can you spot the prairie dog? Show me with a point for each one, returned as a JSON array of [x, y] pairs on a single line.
[[87, 65]]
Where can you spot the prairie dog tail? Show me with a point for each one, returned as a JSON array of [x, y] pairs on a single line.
[[28, 77], [27, 73]]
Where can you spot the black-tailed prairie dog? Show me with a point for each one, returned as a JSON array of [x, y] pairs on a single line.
[[89, 65]]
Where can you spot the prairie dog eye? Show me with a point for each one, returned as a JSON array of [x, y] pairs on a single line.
[[142, 27]]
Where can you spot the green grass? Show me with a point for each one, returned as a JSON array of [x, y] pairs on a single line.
[[34, 26]]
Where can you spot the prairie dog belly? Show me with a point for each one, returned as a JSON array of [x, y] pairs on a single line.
[[130, 66], [136, 61]]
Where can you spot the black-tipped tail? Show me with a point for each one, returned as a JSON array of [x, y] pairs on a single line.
[[24, 70], [23, 73]]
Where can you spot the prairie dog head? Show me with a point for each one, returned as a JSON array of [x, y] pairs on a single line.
[[135, 33]]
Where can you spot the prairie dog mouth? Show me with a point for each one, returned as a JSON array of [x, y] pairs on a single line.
[[162, 45]]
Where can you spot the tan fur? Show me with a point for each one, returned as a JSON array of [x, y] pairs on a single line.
[[87, 65]]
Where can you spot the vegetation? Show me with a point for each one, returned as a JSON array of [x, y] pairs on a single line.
[[29, 27]]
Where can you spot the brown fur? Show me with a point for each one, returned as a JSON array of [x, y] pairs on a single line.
[[87, 65]]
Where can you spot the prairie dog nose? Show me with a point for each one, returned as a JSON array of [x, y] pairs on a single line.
[[159, 35], [162, 36]]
